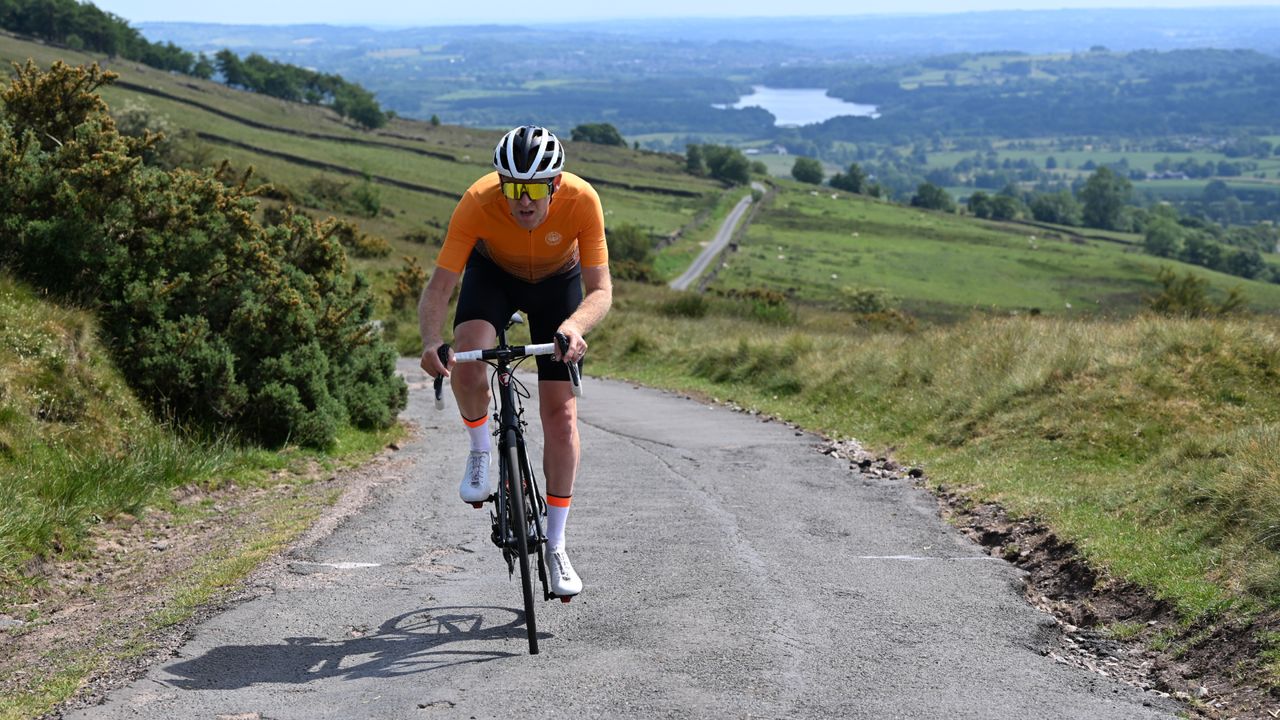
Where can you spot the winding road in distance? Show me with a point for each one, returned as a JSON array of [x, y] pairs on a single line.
[[717, 244], [732, 571]]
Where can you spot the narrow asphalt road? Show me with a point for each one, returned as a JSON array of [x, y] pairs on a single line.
[[718, 243], [731, 571]]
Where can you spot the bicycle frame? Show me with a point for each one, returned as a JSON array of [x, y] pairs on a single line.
[[510, 419]]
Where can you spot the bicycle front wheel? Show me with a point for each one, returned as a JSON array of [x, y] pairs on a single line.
[[514, 477]]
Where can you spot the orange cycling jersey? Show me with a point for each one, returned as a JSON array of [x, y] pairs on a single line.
[[572, 232]]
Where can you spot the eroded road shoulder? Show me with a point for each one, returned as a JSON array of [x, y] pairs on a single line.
[[731, 570]]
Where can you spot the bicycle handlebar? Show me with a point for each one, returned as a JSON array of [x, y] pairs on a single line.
[[516, 351], [512, 352]]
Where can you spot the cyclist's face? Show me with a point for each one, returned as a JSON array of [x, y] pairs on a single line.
[[528, 214]]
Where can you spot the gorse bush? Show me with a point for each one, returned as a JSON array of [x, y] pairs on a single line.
[[1188, 296], [356, 241], [409, 283], [760, 304], [213, 319], [686, 304]]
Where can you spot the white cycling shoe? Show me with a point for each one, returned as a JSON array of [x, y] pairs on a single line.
[[475, 488], [565, 583]]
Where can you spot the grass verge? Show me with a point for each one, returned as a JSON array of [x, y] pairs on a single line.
[[139, 576]]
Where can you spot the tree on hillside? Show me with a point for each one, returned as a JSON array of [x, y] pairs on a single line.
[[932, 197], [81, 25], [355, 102], [598, 133], [1060, 207], [1200, 249], [295, 84], [727, 164], [1105, 195], [807, 170], [979, 205], [231, 69], [1245, 264], [694, 164], [1162, 237], [854, 181], [204, 68], [1005, 207]]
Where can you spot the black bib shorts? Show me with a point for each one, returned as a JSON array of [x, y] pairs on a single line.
[[491, 294]]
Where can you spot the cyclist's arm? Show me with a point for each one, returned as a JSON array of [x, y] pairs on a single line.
[[597, 297], [433, 307]]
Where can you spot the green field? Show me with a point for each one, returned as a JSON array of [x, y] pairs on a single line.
[[780, 165], [816, 248], [1263, 173]]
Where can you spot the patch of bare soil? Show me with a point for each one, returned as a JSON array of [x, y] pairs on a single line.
[[1109, 626], [101, 610]]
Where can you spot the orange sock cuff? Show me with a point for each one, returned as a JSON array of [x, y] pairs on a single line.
[[557, 501], [477, 422]]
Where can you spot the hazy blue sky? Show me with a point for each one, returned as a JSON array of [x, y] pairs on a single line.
[[387, 12]]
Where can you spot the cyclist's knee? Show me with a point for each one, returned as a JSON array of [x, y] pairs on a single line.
[[469, 377]]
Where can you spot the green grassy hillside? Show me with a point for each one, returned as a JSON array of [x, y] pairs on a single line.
[[818, 245], [442, 158]]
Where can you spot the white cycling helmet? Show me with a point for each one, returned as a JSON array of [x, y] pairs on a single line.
[[529, 153]]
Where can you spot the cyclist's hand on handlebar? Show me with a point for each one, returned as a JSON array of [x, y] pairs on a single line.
[[577, 345], [431, 360]]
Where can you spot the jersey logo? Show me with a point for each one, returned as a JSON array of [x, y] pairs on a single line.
[[553, 238]]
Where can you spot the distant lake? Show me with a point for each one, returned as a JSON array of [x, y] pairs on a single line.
[[800, 106]]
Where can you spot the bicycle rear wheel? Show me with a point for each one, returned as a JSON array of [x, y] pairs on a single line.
[[513, 475]]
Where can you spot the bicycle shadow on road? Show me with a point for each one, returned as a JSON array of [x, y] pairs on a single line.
[[408, 644]]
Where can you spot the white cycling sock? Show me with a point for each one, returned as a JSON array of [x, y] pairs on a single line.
[[479, 432], [557, 514]]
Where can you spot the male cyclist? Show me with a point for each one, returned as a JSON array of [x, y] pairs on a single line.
[[530, 237]]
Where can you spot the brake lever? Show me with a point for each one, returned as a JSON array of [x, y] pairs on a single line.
[[442, 352], [575, 378]]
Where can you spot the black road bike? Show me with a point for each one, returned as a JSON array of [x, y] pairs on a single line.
[[519, 509]]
